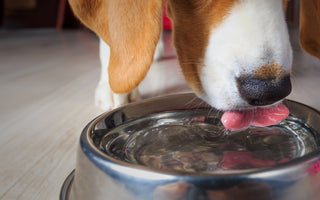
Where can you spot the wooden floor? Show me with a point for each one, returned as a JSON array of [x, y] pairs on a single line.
[[47, 82]]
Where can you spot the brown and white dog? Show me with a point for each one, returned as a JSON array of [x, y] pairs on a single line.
[[234, 54]]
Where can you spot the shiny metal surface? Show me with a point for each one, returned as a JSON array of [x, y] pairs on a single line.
[[66, 187], [195, 141], [100, 176]]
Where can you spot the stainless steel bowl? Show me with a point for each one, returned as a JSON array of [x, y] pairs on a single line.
[[175, 147]]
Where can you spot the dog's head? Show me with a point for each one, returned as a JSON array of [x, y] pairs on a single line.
[[235, 54]]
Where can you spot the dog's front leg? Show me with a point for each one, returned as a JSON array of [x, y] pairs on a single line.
[[105, 98], [159, 51]]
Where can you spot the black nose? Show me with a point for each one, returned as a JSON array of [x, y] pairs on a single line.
[[261, 92]]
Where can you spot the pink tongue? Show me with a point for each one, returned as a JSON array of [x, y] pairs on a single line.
[[236, 120]]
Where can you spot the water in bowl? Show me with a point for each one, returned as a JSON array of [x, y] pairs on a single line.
[[196, 141]]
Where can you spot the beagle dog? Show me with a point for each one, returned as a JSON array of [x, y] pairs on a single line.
[[234, 54]]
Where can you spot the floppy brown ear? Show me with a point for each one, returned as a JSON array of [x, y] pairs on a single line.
[[310, 26], [131, 28]]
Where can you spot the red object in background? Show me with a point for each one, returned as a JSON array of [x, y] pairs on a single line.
[[314, 168], [165, 19]]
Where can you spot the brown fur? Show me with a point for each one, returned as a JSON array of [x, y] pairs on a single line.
[[132, 27], [310, 26], [272, 71], [193, 21], [132, 31], [93, 14]]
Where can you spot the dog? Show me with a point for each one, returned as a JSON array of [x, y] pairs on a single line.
[[234, 54]]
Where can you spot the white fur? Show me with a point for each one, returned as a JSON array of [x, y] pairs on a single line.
[[253, 34], [159, 52]]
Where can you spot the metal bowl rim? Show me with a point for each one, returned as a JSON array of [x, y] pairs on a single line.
[[102, 160], [66, 186]]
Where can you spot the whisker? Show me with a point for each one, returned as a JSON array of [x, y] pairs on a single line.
[[191, 101], [210, 111]]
